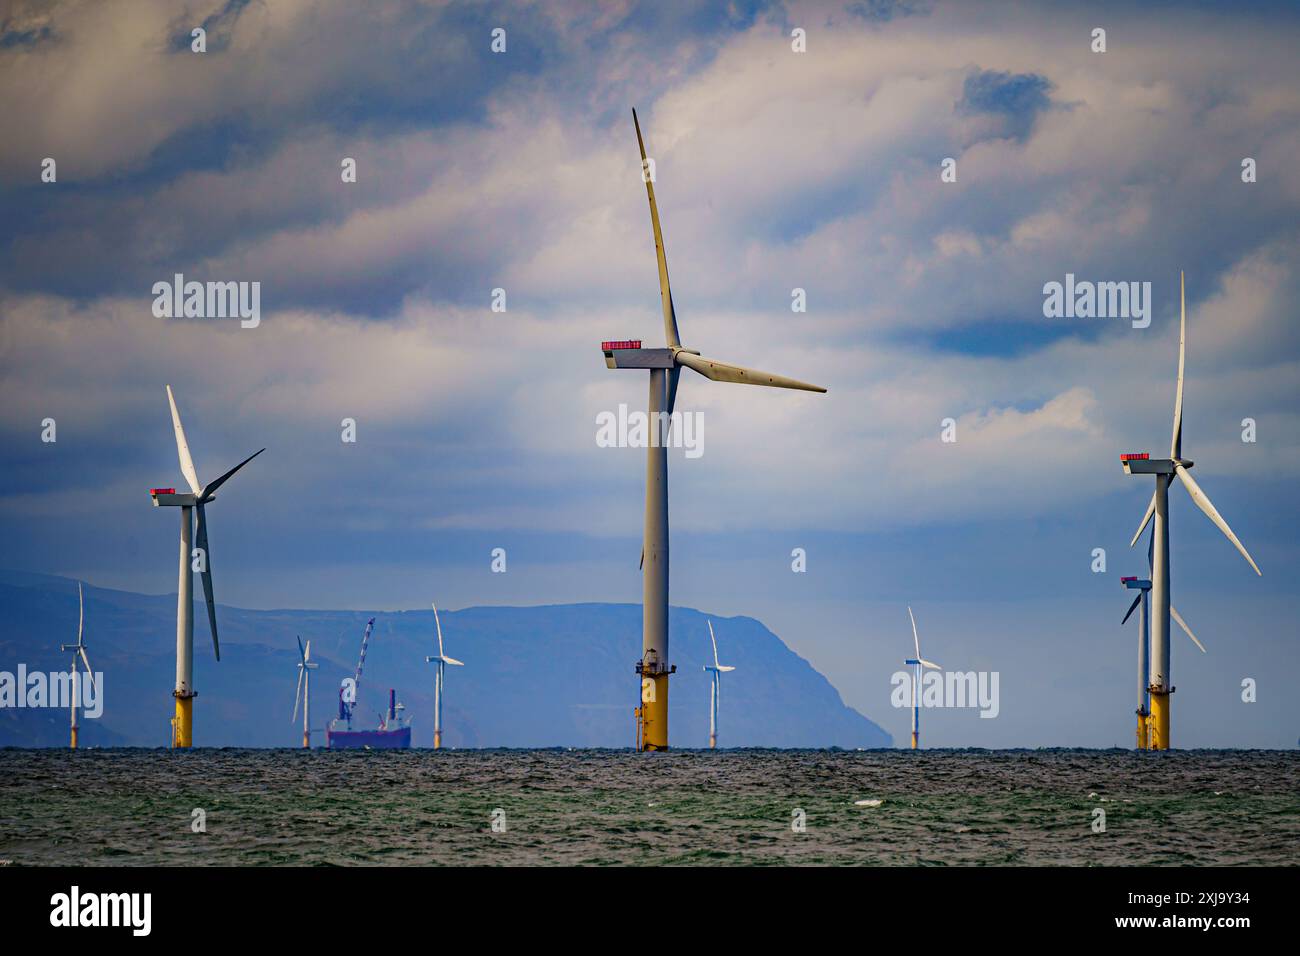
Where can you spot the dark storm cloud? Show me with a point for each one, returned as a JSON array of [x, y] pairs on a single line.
[[1017, 97]]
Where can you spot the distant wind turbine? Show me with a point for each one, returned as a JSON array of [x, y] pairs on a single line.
[[717, 671], [665, 366], [918, 663], [191, 559], [1143, 600], [78, 652], [1164, 469], [441, 660], [303, 693]]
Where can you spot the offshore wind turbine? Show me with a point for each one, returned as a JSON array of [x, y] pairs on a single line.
[[1143, 587], [1164, 469], [665, 366], [78, 652], [1143, 600], [442, 660], [303, 693], [918, 664], [191, 559], [714, 689]]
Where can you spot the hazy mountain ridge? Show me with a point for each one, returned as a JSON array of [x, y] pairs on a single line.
[[556, 675]]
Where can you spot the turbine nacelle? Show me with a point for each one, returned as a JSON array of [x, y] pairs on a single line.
[[1146, 465], [168, 498]]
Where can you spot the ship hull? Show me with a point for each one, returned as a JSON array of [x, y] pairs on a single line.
[[368, 739]]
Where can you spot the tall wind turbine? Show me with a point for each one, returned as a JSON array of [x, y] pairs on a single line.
[[714, 689], [191, 559], [665, 366], [919, 664], [1143, 600], [78, 652], [442, 660], [1164, 469], [303, 693]]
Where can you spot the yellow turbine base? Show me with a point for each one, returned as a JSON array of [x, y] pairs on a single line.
[[437, 740], [1142, 742], [183, 723], [915, 740], [306, 741], [654, 715], [74, 738], [1158, 735]]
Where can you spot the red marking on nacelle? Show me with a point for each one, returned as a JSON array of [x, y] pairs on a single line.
[[162, 491], [1135, 456], [620, 344]]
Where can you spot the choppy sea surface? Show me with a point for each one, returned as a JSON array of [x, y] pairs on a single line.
[[557, 807]]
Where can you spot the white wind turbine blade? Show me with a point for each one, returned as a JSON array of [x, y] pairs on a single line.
[[724, 668], [452, 660], [1131, 608], [739, 375], [183, 448], [210, 489], [438, 623], [916, 639], [1203, 502], [1176, 443], [1183, 624], [930, 664], [306, 657], [297, 694], [715, 644], [673, 340], [86, 660], [1151, 509], [81, 614]]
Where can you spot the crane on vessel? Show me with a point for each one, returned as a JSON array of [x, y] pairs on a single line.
[[348, 689]]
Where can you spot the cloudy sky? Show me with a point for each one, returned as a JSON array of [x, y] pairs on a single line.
[[776, 170]]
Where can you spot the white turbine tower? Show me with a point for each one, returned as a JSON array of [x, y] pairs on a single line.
[[78, 653], [1164, 470], [303, 693], [191, 559], [918, 663], [1143, 587], [442, 660], [714, 689]]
